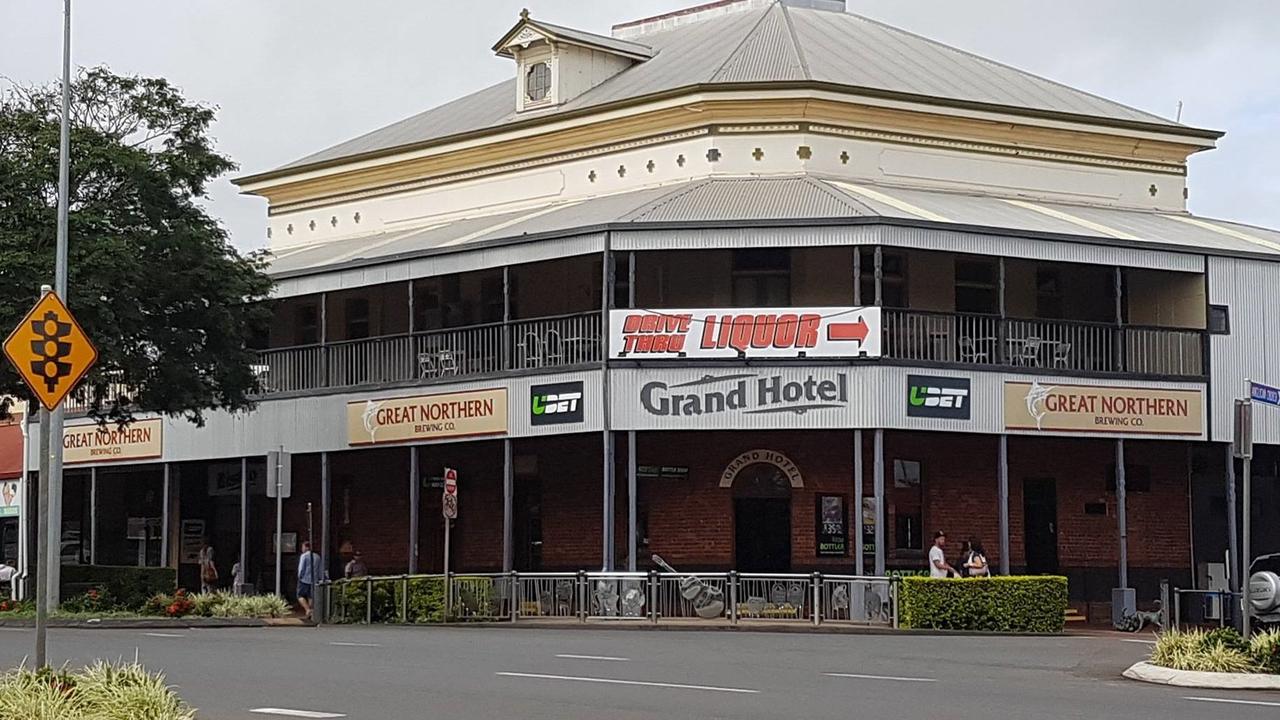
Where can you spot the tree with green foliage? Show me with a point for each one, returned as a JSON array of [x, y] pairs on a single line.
[[171, 306]]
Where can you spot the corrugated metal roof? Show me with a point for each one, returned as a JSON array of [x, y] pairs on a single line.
[[735, 201], [771, 44], [729, 199], [588, 38]]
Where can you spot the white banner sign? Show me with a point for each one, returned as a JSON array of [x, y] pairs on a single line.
[[822, 332]]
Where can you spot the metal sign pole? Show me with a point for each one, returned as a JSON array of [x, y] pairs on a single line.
[[448, 584], [42, 543], [54, 531], [1244, 545]]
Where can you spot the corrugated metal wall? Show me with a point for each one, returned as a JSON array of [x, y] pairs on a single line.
[[1252, 350], [877, 399], [920, 238], [442, 264], [315, 424]]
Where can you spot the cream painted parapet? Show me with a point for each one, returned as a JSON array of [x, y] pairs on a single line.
[[765, 150]]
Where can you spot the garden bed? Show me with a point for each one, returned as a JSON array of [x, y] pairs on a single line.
[[1216, 659], [102, 690]]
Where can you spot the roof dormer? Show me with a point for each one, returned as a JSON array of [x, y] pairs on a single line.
[[555, 64]]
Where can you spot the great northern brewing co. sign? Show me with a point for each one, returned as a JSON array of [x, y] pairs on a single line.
[[427, 417]]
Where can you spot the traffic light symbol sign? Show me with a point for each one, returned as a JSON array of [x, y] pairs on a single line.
[[50, 350]]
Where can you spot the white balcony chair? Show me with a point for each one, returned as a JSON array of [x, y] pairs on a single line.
[[1061, 354], [970, 352], [448, 361], [1028, 351], [554, 353], [531, 353]]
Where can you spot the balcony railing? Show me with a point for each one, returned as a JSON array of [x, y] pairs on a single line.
[[1043, 344], [457, 352]]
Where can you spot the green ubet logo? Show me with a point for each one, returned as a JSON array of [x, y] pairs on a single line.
[[556, 404], [938, 397]]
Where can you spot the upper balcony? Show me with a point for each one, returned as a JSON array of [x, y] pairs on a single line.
[[939, 309]]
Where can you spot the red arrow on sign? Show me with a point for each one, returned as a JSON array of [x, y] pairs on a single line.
[[856, 331]]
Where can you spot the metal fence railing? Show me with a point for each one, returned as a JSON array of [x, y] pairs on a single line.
[[728, 598], [1062, 345], [436, 354]]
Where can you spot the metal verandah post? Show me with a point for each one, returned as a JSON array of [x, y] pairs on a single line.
[[1003, 492], [244, 523], [415, 499], [164, 519], [93, 516], [508, 507], [632, 489], [326, 500], [859, 551], [879, 491], [607, 491], [1122, 513], [1233, 530]]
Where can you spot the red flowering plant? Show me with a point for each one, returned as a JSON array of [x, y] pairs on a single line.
[[181, 605]]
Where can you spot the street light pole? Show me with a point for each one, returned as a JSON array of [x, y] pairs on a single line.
[[50, 472]]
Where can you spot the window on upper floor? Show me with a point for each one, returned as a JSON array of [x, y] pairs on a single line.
[[537, 82], [978, 286], [1219, 319], [355, 313], [1048, 293], [306, 324], [762, 277]]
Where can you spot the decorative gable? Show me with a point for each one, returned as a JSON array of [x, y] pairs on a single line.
[[555, 64]]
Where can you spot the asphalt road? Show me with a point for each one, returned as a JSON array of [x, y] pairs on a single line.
[[507, 674]]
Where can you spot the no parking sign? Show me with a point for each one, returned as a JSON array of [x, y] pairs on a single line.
[[450, 497]]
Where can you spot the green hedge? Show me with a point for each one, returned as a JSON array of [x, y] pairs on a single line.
[[1001, 604], [129, 588], [426, 599]]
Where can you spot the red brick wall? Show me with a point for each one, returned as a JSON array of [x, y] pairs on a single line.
[[691, 522]]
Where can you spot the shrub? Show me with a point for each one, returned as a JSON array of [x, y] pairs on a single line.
[[103, 691], [1002, 604], [128, 588], [1221, 650], [1227, 638], [1265, 650], [93, 600], [15, 606], [426, 599]]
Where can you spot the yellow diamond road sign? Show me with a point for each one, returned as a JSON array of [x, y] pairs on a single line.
[[50, 351]]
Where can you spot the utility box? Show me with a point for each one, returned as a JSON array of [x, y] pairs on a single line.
[[1124, 602]]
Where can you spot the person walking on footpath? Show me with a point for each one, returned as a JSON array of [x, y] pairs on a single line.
[[938, 566], [309, 572], [208, 570], [975, 563], [356, 568]]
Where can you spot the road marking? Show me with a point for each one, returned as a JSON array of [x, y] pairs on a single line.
[[879, 677], [1233, 702], [1140, 642], [296, 713], [612, 681], [355, 644], [594, 657], [165, 635]]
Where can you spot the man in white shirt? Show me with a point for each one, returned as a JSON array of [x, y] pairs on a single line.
[[938, 567]]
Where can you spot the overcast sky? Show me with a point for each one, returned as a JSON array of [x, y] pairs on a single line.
[[295, 76]]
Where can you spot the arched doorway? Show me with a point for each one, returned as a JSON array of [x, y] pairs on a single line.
[[762, 513]]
